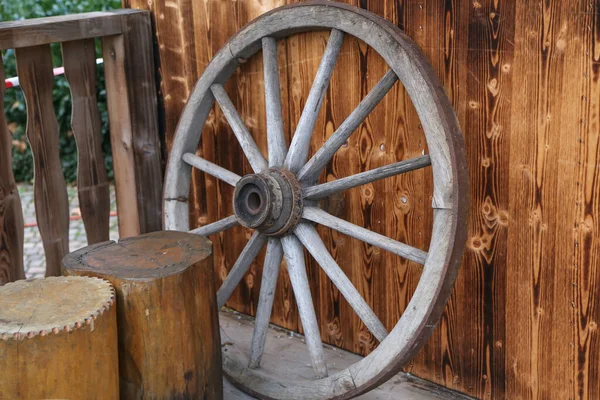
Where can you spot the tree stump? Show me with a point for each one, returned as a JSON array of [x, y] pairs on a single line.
[[169, 342], [58, 339]]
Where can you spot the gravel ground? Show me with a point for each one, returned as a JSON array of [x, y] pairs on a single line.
[[34, 260]]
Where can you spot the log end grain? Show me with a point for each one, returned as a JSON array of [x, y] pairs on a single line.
[[58, 339], [56, 304], [159, 255]]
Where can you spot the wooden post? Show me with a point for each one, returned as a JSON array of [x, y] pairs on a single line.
[[142, 92], [133, 114], [113, 51], [11, 213], [169, 342], [58, 339]]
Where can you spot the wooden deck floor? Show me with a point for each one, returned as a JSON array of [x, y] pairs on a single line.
[[288, 353]]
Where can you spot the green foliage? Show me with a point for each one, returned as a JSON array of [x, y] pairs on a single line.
[[14, 102]]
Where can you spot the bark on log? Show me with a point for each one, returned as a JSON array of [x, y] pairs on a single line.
[[58, 339], [169, 342]]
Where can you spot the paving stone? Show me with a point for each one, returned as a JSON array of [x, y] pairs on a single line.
[[33, 249]]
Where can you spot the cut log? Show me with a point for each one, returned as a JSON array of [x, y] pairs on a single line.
[[58, 339], [169, 342]]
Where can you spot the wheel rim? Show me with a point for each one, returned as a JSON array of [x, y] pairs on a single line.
[[287, 233]]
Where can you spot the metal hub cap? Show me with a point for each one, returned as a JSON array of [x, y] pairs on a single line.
[[270, 201]]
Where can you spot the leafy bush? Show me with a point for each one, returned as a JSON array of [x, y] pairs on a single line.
[[14, 102]]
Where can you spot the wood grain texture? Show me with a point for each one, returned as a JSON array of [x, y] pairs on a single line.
[[217, 226], [58, 339], [294, 256], [585, 370], [550, 193], [312, 169], [79, 58], [298, 152], [169, 343], [11, 213], [319, 216], [488, 118], [121, 135], [325, 190], [34, 66], [253, 154], [264, 309], [523, 79], [275, 135], [138, 63], [38, 31], [212, 169]]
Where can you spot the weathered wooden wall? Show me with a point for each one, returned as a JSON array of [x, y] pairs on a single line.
[[524, 78]]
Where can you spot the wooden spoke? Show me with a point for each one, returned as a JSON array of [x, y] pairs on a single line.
[[311, 240], [256, 242], [325, 189], [301, 141], [403, 250], [275, 137], [311, 170], [294, 257], [216, 227], [265, 300], [255, 157], [212, 169]]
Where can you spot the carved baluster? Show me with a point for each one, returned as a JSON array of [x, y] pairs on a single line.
[[34, 65], [11, 214], [92, 181]]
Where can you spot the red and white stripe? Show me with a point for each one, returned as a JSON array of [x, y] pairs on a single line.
[[14, 82]]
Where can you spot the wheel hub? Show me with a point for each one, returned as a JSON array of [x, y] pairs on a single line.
[[270, 201]]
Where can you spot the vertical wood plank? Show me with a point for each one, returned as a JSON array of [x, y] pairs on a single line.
[[113, 52], [565, 54], [413, 218], [572, 278], [79, 59], [11, 214], [584, 292], [453, 348], [388, 285], [481, 289], [140, 82], [540, 346], [34, 66]]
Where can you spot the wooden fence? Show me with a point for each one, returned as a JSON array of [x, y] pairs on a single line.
[[131, 92], [524, 79]]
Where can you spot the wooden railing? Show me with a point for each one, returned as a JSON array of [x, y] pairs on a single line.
[[126, 37]]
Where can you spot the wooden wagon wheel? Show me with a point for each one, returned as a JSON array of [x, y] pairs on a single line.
[[278, 200]]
